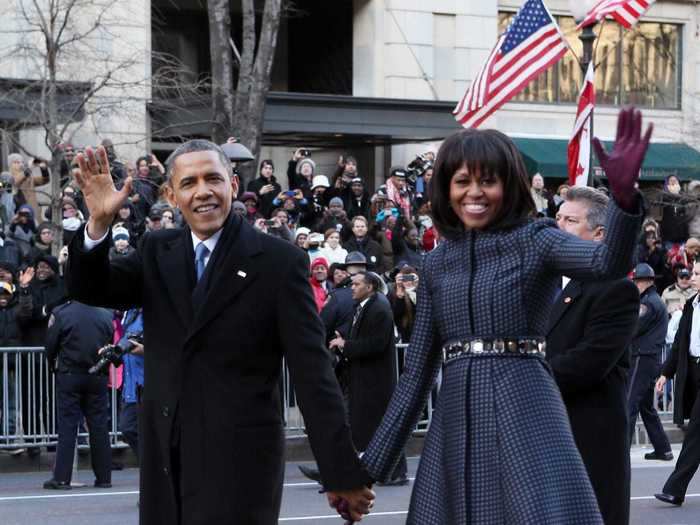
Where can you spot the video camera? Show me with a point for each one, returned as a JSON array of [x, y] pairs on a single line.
[[417, 168], [114, 354]]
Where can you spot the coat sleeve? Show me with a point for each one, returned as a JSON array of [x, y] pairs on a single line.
[[566, 254], [53, 335], [379, 330], [93, 280], [411, 394], [315, 385], [609, 327]]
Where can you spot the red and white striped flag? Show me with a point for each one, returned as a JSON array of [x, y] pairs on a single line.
[[579, 150], [625, 12], [531, 44]]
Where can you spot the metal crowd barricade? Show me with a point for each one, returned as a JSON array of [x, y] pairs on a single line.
[[28, 402], [294, 421]]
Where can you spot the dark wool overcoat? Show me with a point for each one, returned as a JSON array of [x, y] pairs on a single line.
[[371, 362], [590, 328], [676, 367], [212, 424]]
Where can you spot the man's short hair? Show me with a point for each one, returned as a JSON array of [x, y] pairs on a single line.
[[369, 278], [595, 200], [360, 218], [192, 146]]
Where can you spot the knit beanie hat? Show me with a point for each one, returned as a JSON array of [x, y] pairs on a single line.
[[335, 201], [120, 234], [306, 161]]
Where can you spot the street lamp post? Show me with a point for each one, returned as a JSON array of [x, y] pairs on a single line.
[[580, 8]]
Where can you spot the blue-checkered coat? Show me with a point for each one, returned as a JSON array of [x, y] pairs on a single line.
[[499, 449]]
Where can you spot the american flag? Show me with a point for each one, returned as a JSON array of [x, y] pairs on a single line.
[[579, 149], [625, 12], [531, 44]]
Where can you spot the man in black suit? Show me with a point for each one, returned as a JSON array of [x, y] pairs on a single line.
[[684, 363], [589, 329], [222, 305], [368, 355]]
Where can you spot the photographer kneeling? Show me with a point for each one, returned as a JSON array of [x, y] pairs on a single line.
[[75, 335]]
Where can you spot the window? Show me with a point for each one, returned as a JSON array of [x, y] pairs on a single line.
[[638, 66]]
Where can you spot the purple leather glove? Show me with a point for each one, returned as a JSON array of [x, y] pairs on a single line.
[[622, 164], [343, 509]]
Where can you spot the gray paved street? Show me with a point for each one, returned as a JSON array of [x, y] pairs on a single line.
[[23, 502]]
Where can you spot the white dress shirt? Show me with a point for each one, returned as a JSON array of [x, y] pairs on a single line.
[[210, 243], [694, 349]]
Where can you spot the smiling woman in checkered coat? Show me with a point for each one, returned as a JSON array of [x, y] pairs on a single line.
[[499, 449]]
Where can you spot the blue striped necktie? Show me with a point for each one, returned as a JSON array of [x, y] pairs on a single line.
[[200, 254]]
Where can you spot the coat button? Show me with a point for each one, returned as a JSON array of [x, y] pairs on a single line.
[[166, 412], [166, 471]]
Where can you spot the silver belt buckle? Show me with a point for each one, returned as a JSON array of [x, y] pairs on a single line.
[[477, 346]]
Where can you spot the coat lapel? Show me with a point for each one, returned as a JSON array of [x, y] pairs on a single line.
[[363, 312], [566, 299], [171, 257], [232, 272]]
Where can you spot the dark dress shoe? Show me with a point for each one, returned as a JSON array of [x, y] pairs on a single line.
[[103, 484], [52, 484], [665, 456], [311, 473], [396, 482], [667, 498]]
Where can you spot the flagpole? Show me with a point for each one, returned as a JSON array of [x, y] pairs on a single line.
[[587, 38]]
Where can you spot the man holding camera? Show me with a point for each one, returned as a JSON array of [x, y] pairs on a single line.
[[76, 334], [132, 359]]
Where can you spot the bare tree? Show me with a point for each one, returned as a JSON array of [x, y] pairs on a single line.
[[240, 112], [78, 72]]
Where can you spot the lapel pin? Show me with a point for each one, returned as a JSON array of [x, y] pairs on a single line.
[[567, 300], [241, 273]]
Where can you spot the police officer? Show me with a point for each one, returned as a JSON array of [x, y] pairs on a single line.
[[76, 333], [645, 351]]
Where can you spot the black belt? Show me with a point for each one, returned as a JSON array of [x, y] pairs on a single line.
[[493, 346]]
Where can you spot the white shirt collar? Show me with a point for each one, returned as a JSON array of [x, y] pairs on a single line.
[[696, 301], [363, 303], [210, 243]]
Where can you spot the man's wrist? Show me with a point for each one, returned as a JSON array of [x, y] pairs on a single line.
[[95, 231]]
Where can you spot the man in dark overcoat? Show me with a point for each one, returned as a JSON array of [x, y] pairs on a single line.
[[684, 363], [590, 326], [222, 305], [369, 354], [367, 357]]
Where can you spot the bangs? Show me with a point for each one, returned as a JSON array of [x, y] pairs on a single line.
[[489, 153], [478, 153]]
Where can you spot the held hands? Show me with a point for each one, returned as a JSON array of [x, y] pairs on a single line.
[[338, 342], [623, 163], [352, 505], [101, 197]]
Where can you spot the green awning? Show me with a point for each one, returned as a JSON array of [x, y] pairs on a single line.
[[548, 157]]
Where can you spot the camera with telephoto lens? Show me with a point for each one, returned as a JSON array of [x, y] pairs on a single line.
[[417, 168], [114, 354]]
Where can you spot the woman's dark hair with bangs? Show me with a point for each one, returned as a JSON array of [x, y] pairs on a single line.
[[483, 151]]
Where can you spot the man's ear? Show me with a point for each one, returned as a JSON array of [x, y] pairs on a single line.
[[170, 195], [599, 234], [235, 184]]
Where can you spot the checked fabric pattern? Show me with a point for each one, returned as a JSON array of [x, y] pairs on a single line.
[[499, 449]]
